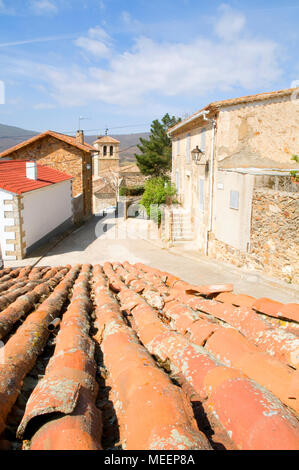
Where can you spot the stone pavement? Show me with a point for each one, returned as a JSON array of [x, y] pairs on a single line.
[[92, 243]]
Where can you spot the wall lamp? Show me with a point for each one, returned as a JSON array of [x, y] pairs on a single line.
[[197, 154]]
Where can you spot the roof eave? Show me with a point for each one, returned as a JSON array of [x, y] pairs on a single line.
[[189, 120]]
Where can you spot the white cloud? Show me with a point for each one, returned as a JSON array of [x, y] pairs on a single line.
[[185, 70], [152, 71], [102, 5], [42, 7], [130, 23], [96, 42], [230, 24], [42, 106]]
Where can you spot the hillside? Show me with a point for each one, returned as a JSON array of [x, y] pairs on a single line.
[[10, 136], [128, 144]]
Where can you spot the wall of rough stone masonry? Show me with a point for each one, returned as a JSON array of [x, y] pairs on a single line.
[[55, 154], [274, 236], [101, 201], [132, 179]]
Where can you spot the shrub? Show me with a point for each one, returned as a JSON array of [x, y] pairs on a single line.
[[294, 173], [157, 191], [131, 191]]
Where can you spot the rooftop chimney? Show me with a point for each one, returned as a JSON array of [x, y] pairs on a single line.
[[31, 170], [80, 137]]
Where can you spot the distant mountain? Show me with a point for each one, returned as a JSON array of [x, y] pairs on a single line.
[[10, 136]]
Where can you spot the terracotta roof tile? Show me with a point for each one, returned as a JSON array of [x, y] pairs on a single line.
[[13, 177], [123, 333]]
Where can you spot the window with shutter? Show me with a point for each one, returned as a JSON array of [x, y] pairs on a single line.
[[234, 200]]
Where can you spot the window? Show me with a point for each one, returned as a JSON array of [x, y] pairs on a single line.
[[234, 200], [201, 194], [203, 140], [111, 150], [188, 148], [178, 146], [177, 181], [105, 150]]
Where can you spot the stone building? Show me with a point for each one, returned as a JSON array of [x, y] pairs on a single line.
[[64, 153], [220, 156], [106, 156]]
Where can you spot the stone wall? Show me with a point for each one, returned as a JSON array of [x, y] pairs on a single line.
[[64, 157], [55, 154], [132, 179], [259, 134], [274, 237], [78, 208], [101, 201]]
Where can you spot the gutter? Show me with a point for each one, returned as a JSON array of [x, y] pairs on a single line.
[[211, 184]]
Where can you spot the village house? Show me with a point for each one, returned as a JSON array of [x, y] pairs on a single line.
[[35, 204], [231, 167], [64, 153]]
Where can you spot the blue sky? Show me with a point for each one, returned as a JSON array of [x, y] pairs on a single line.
[[122, 64]]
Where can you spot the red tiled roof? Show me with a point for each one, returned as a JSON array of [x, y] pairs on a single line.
[[64, 138], [13, 177], [138, 350]]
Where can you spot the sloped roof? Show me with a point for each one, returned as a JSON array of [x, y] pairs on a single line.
[[232, 356], [106, 139], [216, 105], [13, 177], [62, 137]]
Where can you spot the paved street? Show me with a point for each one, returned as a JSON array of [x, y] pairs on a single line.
[[97, 242]]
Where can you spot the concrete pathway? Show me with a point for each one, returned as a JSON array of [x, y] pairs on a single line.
[[101, 240]]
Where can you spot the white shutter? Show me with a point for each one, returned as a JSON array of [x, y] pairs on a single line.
[[234, 200]]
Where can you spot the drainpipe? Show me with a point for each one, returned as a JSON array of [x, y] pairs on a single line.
[[211, 183]]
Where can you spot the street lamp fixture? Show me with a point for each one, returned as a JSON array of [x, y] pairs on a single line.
[[197, 154]]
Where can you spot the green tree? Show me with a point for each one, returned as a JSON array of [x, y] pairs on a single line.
[[295, 173], [157, 191], [155, 157]]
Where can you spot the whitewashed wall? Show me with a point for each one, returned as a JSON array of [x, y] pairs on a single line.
[[232, 226], [45, 209], [4, 236]]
